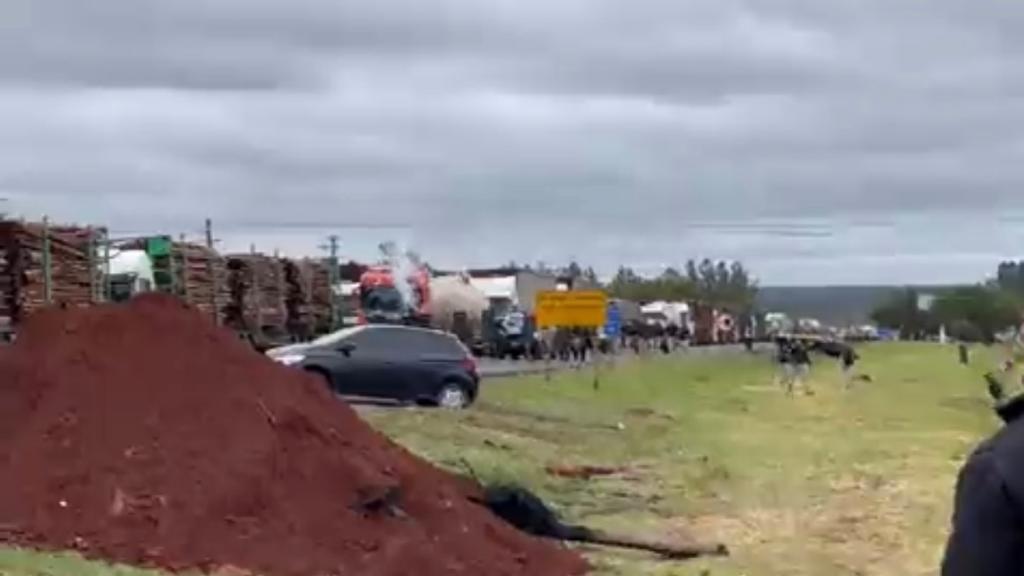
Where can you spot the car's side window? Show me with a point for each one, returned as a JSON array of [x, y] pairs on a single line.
[[406, 342], [369, 341], [437, 344], [441, 345], [413, 343], [451, 346]]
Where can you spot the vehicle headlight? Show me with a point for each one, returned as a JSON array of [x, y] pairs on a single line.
[[290, 359]]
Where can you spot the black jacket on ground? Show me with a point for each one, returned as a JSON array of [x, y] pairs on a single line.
[[988, 520]]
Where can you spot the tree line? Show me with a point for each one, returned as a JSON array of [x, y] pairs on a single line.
[[977, 313], [719, 283]]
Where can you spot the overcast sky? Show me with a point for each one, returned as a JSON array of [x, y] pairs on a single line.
[[819, 141]]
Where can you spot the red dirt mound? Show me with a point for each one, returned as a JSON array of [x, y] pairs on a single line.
[[143, 434]]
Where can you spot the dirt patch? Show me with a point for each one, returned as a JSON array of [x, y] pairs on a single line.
[[584, 472], [861, 526], [650, 413], [515, 429], [143, 434]]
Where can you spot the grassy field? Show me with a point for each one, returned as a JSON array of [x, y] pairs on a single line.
[[839, 482], [835, 483]]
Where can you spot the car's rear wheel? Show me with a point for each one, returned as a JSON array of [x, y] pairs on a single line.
[[453, 396]]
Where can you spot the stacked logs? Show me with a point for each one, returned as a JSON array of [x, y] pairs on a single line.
[[193, 272], [307, 298], [257, 289], [322, 298], [251, 293], [72, 270], [87, 240], [202, 278]]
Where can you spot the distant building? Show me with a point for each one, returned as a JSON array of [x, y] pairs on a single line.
[[512, 286]]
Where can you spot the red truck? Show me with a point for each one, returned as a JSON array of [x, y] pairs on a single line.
[[381, 300]]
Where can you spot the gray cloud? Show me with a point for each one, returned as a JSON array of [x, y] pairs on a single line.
[[797, 136]]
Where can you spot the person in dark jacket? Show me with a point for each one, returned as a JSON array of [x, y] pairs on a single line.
[[988, 515], [783, 348], [589, 346], [988, 518], [800, 358], [848, 357], [672, 333]]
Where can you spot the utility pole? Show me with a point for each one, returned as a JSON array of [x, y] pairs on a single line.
[[107, 292], [184, 269], [212, 269], [47, 264], [93, 267], [209, 234], [333, 245]]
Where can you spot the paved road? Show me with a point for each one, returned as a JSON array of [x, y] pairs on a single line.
[[493, 368]]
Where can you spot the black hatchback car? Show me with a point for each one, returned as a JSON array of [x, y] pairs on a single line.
[[401, 363]]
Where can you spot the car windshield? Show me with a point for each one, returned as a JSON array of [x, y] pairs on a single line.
[[336, 337], [382, 300], [513, 322]]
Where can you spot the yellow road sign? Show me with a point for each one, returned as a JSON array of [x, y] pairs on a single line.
[[582, 309]]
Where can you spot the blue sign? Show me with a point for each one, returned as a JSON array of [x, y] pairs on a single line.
[[888, 335], [613, 325]]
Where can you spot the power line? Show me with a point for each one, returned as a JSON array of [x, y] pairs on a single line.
[[312, 225]]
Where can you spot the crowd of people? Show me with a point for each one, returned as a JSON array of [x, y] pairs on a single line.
[[793, 356], [579, 345], [654, 337]]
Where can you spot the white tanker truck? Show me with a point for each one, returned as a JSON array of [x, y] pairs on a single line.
[[458, 307]]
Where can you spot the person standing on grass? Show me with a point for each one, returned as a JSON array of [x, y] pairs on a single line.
[[800, 358], [783, 350], [589, 347], [672, 335], [988, 516], [848, 357], [576, 348]]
